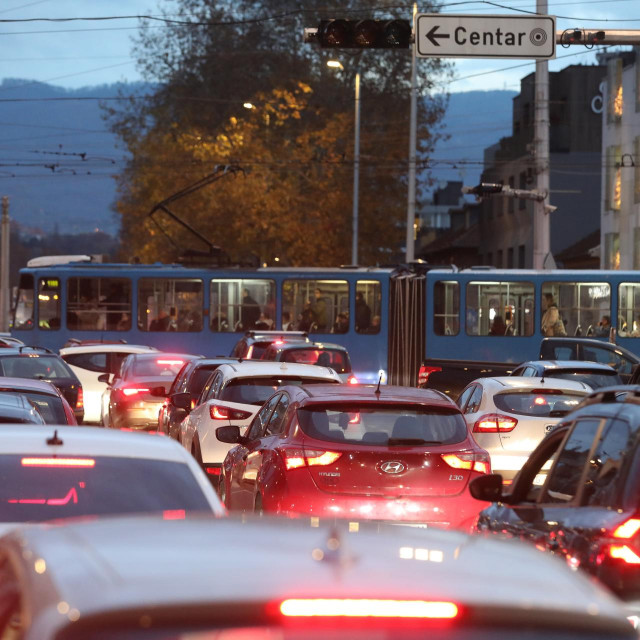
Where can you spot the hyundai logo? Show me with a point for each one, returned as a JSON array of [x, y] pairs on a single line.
[[392, 467]]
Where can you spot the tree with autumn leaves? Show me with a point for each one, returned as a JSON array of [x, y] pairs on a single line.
[[293, 198]]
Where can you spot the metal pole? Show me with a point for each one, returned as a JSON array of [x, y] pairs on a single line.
[[413, 121], [541, 234], [4, 266], [356, 175]]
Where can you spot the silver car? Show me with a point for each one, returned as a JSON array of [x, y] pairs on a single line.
[[508, 416]]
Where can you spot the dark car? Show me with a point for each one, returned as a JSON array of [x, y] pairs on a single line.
[[17, 409], [44, 396], [138, 392], [41, 364], [587, 507], [340, 451], [323, 354], [185, 391], [594, 374], [254, 343]]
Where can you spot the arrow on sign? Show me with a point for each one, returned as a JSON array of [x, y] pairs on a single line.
[[432, 35]]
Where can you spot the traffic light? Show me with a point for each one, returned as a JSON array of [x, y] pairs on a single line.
[[364, 34], [484, 189]]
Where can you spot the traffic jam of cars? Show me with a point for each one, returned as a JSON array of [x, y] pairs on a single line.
[[127, 470]]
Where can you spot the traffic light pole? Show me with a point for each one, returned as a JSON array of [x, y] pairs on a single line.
[[356, 175], [541, 227], [411, 179]]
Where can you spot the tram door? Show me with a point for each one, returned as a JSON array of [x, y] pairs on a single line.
[[407, 327]]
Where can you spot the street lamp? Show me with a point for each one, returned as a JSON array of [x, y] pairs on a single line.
[[336, 64]]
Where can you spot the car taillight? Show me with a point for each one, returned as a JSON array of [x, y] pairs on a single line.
[[296, 458], [213, 469], [479, 462], [367, 608], [225, 413], [58, 462], [424, 373], [133, 391], [494, 423], [625, 531], [80, 399], [171, 362], [352, 379]]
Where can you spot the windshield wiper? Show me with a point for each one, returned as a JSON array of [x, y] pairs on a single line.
[[411, 442]]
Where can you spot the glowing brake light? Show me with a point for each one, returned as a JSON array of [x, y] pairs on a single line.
[[80, 399], [627, 529], [132, 391], [171, 362], [424, 373], [540, 401], [470, 461], [494, 423], [352, 379], [58, 462], [296, 458], [367, 608], [623, 552], [279, 342], [225, 413]]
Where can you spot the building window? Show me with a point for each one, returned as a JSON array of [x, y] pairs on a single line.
[[49, 303], [315, 304], [499, 259], [500, 309], [446, 308], [612, 251], [521, 256], [614, 89], [490, 259], [170, 304], [99, 304], [242, 305], [510, 258], [368, 308], [613, 179], [580, 306]]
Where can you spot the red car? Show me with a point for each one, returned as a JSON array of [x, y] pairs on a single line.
[[359, 452]]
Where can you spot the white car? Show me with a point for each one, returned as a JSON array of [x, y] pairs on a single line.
[[233, 395], [92, 360], [49, 473], [508, 416], [266, 579]]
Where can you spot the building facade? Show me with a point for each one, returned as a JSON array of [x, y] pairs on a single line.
[[620, 218]]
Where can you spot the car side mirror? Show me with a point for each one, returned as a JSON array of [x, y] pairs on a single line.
[[487, 488], [104, 377], [182, 400], [230, 435], [158, 392]]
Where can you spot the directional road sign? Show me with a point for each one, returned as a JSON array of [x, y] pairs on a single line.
[[482, 36]]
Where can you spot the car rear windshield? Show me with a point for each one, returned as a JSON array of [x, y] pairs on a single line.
[[593, 379], [258, 390], [49, 406], [542, 403], [34, 366], [385, 426], [156, 366], [37, 488], [199, 379], [337, 359]]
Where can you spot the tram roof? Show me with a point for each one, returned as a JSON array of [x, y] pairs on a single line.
[[564, 274]]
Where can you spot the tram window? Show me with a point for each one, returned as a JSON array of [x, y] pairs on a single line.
[[580, 307], [500, 309], [170, 304], [368, 307], [628, 310], [446, 308], [314, 305], [49, 303], [99, 304], [242, 305], [23, 314]]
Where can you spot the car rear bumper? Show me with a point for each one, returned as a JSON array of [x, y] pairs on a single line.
[[456, 512], [140, 417]]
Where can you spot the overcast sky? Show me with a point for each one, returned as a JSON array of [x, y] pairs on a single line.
[[78, 54]]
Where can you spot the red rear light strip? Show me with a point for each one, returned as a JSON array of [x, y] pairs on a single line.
[[494, 423], [623, 552], [470, 462], [80, 399], [296, 458], [627, 529], [170, 362], [58, 462], [367, 608], [132, 391]]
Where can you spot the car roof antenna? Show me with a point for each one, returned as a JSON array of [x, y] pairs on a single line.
[[542, 379], [377, 391], [55, 439]]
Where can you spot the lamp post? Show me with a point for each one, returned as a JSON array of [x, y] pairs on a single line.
[[336, 64]]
